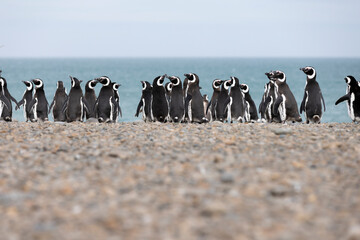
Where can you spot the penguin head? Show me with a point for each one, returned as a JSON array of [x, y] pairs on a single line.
[[2, 82], [116, 86], [104, 80], [159, 80], [168, 87], [192, 78], [146, 85], [60, 85], [205, 98], [309, 71], [217, 84], [38, 83], [75, 82], [174, 80], [351, 81], [244, 88], [28, 85], [270, 74], [234, 81], [227, 84], [90, 85], [279, 76]]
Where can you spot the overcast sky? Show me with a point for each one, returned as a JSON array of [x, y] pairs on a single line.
[[180, 28]]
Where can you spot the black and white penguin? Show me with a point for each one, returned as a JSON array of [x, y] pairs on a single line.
[[206, 105], [285, 102], [177, 103], [90, 97], [271, 96], [26, 100], [117, 110], [250, 109], [262, 104], [6, 108], [144, 105], [223, 102], [75, 106], [160, 107], [352, 97], [105, 103], [194, 101], [39, 104], [313, 99], [237, 105], [210, 110], [60, 98]]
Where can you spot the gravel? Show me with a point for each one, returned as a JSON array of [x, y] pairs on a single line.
[[179, 181]]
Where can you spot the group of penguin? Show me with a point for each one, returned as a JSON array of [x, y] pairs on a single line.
[[71, 107], [178, 101], [231, 101]]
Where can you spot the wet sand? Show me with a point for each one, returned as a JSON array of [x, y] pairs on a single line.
[[179, 181]]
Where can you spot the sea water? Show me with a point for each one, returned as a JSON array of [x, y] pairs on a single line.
[[130, 71]]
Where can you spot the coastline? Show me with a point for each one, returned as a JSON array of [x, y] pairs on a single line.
[[179, 181]]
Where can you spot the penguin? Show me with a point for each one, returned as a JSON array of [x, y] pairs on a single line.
[[313, 99], [177, 103], [251, 111], [285, 102], [75, 106], [6, 108], [90, 97], [185, 91], [117, 109], [206, 104], [60, 98], [271, 96], [145, 102], [26, 100], [262, 104], [39, 103], [194, 101], [168, 89], [223, 101], [237, 105], [352, 97], [159, 105], [105, 103], [216, 84]]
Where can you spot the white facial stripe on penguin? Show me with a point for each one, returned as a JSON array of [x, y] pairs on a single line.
[[312, 75], [233, 81], [143, 85], [160, 81], [246, 88]]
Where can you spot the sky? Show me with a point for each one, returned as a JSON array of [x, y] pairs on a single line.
[[196, 28]]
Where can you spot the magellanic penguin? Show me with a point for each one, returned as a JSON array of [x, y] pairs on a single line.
[[177, 103], [6, 107], [194, 101], [90, 97], [251, 111], [311, 103], [210, 110], [75, 106], [39, 104], [160, 107], [285, 102], [106, 102], [237, 105], [352, 97], [144, 105], [206, 105], [223, 102], [58, 102], [271, 96], [262, 104], [26, 100], [117, 110]]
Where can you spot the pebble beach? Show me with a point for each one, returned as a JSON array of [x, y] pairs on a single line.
[[136, 180]]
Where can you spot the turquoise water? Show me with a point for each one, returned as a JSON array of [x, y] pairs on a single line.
[[130, 71]]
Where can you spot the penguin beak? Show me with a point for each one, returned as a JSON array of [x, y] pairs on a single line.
[[187, 75], [302, 69]]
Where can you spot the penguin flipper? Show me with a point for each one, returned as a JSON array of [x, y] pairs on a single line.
[[227, 102], [6, 101], [51, 105], [65, 104], [31, 104], [120, 112], [22, 101], [12, 98], [277, 103], [266, 102], [302, 106], [208, 106], [322, 99], [187, 100], [343, 98], [140, 105], [86, 106]]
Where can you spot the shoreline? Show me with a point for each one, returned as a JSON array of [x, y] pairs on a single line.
[[179, 181]]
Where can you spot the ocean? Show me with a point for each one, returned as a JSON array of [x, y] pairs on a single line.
[[130, 71]]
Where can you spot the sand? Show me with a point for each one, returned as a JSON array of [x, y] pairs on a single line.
[[179, 181]]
